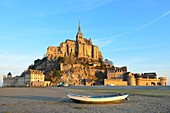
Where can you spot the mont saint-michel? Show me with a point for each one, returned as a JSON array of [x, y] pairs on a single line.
[[79, 62]]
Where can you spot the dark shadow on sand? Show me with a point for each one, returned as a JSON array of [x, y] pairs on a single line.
[[41, 98]]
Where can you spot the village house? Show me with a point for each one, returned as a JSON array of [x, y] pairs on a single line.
[[33, 78]]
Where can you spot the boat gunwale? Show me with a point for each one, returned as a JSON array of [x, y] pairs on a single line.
[[98, 96], [94, 99]]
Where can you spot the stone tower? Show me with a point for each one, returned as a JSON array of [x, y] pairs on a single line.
[[9, 75], [163, 81], [131, 80], [79, 36]]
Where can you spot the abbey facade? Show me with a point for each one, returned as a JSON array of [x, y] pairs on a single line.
[[81, 48]]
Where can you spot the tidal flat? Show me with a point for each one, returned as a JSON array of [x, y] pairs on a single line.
[[149, 99]]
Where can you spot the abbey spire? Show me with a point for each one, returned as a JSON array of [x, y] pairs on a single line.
[[79, 29], [79, 36]]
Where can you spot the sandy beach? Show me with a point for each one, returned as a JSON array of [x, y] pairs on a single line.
[[53, 100]]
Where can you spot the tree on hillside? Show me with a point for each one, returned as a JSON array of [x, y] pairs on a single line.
[[32, 66], [108, 62], [61, 60], [56, 73]]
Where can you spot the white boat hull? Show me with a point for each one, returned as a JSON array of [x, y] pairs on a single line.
[[97, 99]]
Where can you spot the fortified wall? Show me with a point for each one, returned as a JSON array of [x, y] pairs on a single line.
[[9, 81], [146, 79]]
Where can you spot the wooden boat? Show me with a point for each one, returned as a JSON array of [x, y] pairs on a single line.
[[117, 98]]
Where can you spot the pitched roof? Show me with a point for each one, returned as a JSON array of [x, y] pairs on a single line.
[[9, 73]]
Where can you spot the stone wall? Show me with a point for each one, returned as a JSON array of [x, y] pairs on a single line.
[[9, 82], [13, 81], [116, 72], [95, 52], [132, 81], [88, 51], [80, 50], [115, 82], [21, 81], [147, 82], [53, 52], [63, 49], [163, 81]]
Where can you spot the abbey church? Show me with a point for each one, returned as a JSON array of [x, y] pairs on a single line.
[[81, 48]]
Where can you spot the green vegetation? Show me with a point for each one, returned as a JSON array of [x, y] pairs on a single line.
[[108, 62], [141, 92], [61, 60]]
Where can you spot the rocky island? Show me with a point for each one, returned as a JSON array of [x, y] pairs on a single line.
[[79, 62]]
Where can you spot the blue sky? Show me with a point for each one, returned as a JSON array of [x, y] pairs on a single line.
[[132, 33]]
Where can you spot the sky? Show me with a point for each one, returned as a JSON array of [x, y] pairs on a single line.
[[132, 33]]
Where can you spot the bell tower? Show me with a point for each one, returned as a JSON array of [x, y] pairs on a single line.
[[79, 36]]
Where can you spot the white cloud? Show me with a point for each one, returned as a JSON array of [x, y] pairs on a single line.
[[103, 41], [153, 21], [130, 48], [106, 41]]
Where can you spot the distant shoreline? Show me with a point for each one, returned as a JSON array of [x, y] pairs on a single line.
[[109, 87]]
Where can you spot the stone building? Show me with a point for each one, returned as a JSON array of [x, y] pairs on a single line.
[[35, 78], [131, 79], [149, 79], [115, 76], [116, 72], [81, 48]]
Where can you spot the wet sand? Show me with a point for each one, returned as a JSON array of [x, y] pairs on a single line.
[[53, 100]]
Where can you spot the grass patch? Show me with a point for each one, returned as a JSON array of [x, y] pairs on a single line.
[[157, 93], [142, 92]]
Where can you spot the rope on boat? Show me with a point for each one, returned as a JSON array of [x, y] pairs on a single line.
[[60, 98]]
